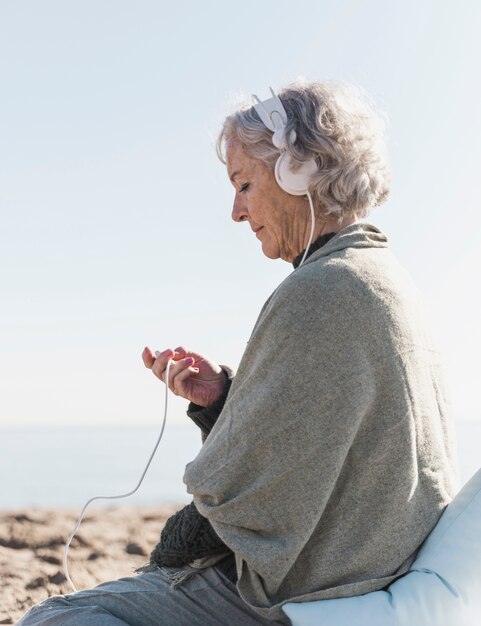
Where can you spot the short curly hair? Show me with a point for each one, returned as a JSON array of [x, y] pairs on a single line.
[[335, 124]]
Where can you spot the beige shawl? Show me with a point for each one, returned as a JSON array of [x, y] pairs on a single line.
[[333, 456]]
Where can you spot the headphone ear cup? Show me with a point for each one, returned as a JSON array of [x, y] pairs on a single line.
[[295, 183]]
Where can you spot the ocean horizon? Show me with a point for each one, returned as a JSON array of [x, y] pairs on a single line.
[[64, 466]]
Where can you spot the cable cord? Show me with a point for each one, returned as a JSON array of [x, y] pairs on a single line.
[[313, 222], [124, 495]]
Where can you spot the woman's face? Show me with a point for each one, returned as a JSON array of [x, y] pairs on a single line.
[[279, 220]]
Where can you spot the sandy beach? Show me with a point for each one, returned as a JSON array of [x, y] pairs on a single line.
[[111, 543]]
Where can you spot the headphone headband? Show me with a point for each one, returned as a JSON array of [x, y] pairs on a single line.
[[271, 111], [273, 115]]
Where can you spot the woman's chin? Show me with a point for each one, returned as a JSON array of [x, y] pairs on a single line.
[[270, 249], [270, 253]]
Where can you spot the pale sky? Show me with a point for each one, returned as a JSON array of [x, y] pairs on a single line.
[[115, 212]]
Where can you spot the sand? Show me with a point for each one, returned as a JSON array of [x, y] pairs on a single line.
[[111, 543]]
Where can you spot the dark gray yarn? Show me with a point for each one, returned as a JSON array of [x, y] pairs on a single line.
[[186, 536]]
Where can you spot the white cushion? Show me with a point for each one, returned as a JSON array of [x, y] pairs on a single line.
[[443, 587]]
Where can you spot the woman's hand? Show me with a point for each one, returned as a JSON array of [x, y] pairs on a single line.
[[191, 375]]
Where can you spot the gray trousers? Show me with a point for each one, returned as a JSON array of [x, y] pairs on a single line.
[[172, 596]]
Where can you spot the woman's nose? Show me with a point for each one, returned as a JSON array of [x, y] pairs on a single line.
[[239, 211]]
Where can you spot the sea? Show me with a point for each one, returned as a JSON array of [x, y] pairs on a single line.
[[65, 466]]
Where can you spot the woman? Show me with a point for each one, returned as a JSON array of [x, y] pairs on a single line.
[[329, 457]]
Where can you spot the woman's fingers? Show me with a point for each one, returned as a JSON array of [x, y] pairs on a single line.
[[181, 352], [181, 368], [177, 381], [160, 363], [179, 371], [148, 358], [177, 365]]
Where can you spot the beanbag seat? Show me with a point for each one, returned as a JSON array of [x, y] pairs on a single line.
[[442, 588]]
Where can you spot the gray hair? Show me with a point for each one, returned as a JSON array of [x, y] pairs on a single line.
[[335, 124]]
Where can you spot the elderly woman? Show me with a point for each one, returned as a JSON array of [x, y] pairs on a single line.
[[328, 458]]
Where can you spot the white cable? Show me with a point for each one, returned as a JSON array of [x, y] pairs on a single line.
[[124, 495], [313, 221]]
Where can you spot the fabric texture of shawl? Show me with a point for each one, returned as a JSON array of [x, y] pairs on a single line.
[[333, 456]]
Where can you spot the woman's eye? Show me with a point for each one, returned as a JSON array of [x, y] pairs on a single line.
[[244, 187]]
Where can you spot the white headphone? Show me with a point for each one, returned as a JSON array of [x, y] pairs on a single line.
[[274, 117]]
